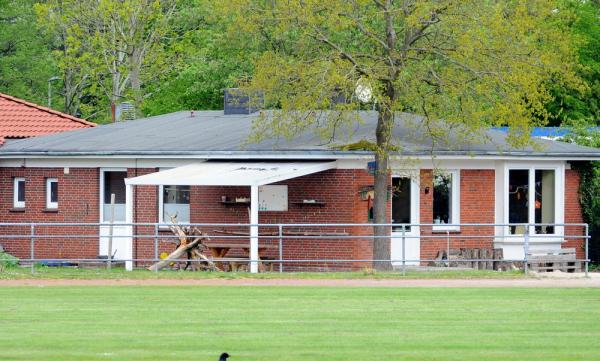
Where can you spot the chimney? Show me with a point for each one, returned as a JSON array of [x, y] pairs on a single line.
[[239, 102]]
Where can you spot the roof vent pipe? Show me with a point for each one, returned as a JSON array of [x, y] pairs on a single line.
[[238, 101]]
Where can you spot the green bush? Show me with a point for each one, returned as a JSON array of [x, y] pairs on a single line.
[[8, 261]]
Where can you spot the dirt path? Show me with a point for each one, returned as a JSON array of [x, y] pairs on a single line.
[[561, 282]]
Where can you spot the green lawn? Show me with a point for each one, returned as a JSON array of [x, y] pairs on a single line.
[[120, 273], [298, 323]]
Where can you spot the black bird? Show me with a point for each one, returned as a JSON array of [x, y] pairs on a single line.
[[224, 356]]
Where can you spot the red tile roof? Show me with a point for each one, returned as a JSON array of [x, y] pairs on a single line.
[[22, 119]]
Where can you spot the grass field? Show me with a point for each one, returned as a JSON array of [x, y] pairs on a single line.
[[119, 273], [298, 323]]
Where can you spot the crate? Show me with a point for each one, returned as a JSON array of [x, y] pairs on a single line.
[[552, 260]]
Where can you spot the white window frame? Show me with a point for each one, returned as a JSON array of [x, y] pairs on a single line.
[[454, 202], [49, 203], [161, 207], [16, 202], [559, 199], [101, 193]]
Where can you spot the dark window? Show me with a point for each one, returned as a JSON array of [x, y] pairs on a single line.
[[114, 182], [176, 194], [401, 202], [518, 199], [442, 199], [21, 190], [54, 191]]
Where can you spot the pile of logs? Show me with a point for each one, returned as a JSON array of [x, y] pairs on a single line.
[[476, 258], [190, 246]]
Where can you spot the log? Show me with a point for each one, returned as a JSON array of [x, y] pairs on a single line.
[[490, 262], [480, 255], [176, 254], [498, 256], [190, 243]]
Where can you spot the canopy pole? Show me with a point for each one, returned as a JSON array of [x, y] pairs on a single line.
[[254, 229], [129, 222]]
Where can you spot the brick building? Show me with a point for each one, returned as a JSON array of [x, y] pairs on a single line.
[[200, 166]]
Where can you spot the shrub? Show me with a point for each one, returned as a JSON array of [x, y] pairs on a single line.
[[8, 261]]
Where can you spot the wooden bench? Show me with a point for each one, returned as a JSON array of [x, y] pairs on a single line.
[[551, 260], [219, 251]]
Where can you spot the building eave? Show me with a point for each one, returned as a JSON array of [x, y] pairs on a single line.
[[299, 154]]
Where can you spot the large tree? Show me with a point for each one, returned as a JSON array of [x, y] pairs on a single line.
[[114, 45], [472, 63]]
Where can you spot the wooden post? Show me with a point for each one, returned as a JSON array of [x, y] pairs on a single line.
[[254, 229], [129, 220], [110, 231]]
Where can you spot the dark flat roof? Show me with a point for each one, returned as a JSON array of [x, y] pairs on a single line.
[[213, 134]]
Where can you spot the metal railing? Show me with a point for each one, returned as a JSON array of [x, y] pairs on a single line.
[[325, 246]]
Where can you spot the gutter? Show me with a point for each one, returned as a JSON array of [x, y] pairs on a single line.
[[299, 154]]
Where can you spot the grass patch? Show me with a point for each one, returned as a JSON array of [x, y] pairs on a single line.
[[293, 324], [120, 273]]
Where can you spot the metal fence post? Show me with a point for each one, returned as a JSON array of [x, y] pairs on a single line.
[[403, 250], [586, 250], [526, 250], [32, 253], [280, 248], [156, 245], [448, 247]]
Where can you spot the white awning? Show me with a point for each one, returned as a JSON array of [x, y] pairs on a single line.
[[231, 173]]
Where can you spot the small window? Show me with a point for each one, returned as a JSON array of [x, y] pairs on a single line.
[[175, 201], [51, 193], [19, 193], [446, 202]]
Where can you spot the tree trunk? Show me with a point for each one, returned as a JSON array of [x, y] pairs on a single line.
[[382, 240], [135, 64]]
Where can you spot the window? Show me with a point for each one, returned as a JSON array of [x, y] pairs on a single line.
[[446, 202], [520, 192], [114, 183], [544, 201], [401, 203], [19, 193], [51, 193], [175, 200]]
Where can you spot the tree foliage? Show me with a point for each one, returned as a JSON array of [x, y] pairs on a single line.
[[571, 105], [26, 62]]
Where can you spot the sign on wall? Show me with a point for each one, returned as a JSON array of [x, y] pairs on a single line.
[[273, 198]]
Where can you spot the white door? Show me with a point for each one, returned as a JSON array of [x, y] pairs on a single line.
[[405, 210], [112, 181]]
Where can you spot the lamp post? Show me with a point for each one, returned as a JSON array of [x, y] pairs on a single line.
[[53, 79]]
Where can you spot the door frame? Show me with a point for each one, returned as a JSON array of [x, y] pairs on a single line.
[[396, 239]]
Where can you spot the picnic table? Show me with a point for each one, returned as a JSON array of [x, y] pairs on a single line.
[[220, 250]]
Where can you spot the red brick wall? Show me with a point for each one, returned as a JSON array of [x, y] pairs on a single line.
[[477, 189], [573, 213], [77, 202], [338, 189]]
